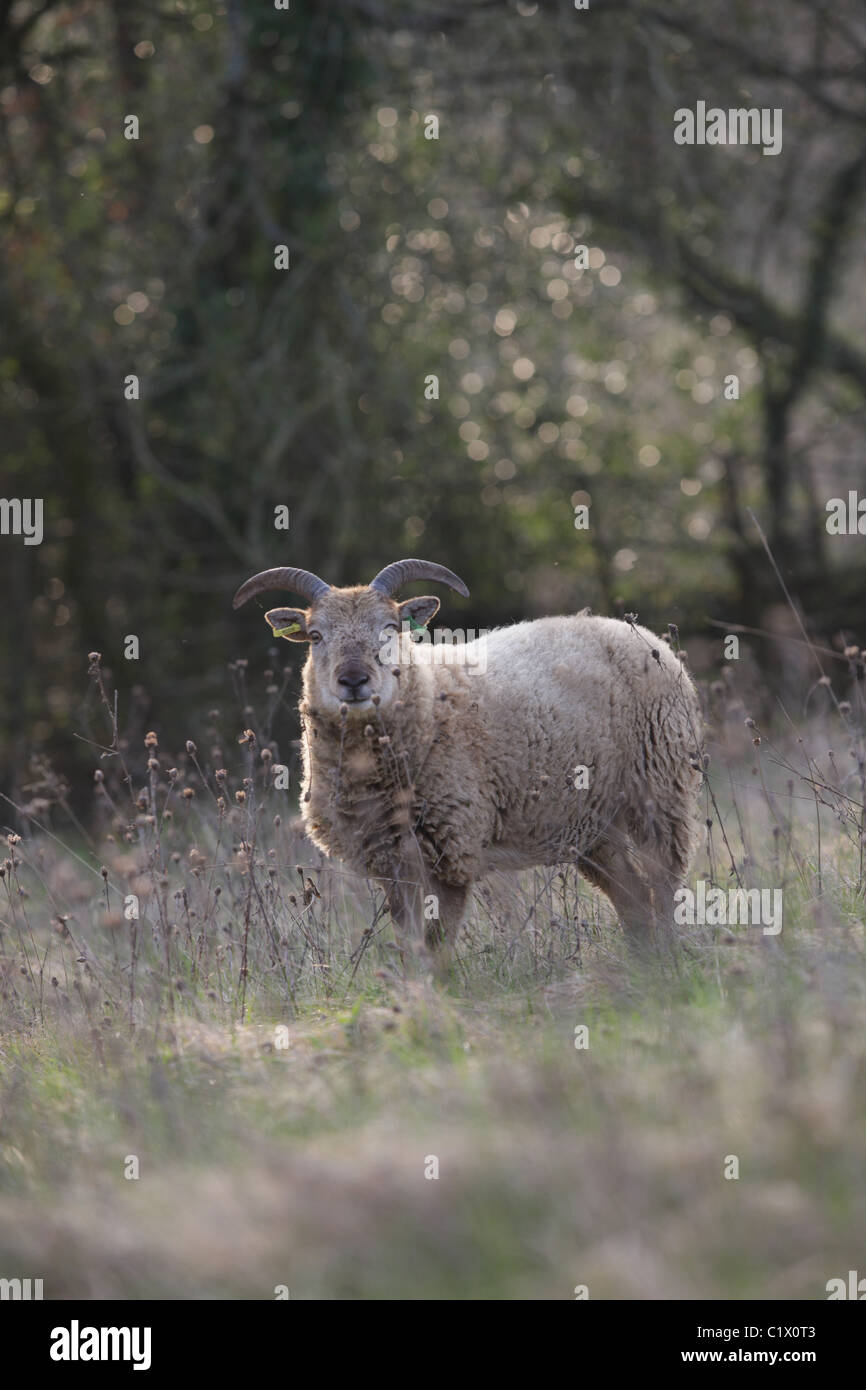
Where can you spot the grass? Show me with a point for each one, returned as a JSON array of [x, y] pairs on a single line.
[[255, 1042]]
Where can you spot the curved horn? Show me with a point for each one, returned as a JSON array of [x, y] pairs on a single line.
[[310, 586], [393, 577]]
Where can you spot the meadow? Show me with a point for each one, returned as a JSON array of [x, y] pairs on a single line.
[[222, 1077]]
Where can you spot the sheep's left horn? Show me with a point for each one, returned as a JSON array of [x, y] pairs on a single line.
[[310, 586], [393, 577]]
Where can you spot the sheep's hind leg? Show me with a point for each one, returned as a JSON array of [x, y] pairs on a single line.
[[613, 870], [666, 861]]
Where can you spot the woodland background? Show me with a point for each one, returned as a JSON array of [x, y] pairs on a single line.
[[184, 980], [410, 257]]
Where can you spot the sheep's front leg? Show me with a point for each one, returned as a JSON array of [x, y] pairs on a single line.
[[433, 909], [405, 903], [444, 909]]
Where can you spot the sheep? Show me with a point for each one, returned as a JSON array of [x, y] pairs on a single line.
[[561, 740]]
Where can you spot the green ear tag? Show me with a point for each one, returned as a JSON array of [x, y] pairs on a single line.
[[284, 631], [418, 627]]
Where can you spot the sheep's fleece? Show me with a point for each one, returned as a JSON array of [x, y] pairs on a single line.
[[473, 770]]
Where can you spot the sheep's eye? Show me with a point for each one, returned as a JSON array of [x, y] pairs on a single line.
[[314, 636]]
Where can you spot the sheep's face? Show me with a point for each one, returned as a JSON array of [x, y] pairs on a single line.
[[351, 634]]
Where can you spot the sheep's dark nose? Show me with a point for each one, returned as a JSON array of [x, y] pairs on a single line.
[[352, 678]]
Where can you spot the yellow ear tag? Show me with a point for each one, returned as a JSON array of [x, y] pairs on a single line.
[[284, 631]]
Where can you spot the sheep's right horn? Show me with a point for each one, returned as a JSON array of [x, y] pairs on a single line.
[[393, 577], [301, 582]]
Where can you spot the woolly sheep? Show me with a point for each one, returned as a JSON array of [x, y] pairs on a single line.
[[424, 773]]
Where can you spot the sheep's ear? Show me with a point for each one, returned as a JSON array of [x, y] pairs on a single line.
[[418, 611], [290, 623]]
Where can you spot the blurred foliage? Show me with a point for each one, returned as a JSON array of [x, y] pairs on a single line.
[[412, 257]]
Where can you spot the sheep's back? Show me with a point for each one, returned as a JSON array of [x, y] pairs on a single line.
[[560, 694]]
